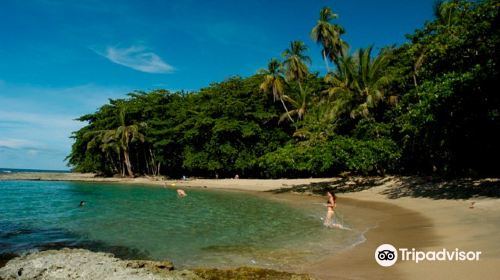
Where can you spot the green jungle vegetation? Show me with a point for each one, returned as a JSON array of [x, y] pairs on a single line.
[[428, 106]]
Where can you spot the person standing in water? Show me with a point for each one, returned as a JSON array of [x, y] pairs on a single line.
[[330, 208]]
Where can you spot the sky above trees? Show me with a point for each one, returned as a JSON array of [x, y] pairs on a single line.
[[62, 59]]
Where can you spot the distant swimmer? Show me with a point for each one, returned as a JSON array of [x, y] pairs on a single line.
[[82, 203], [330, 208], [181, 193]]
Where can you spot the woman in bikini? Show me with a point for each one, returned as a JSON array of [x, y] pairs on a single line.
[[330, 206]]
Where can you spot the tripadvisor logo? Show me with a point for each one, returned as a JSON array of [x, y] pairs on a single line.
[[387, 255]]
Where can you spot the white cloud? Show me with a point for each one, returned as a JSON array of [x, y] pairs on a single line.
[[14, 143], [138, 58], [36, 121], [40, 120]]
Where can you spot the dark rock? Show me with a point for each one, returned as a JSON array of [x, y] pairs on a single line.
[[159, 267], [6, 257]]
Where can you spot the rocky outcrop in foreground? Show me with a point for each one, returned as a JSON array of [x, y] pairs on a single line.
[[84, 264]]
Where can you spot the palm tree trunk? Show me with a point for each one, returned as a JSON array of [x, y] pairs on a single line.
[[326, 61], [126, 159], [286, 109], [274, 93], [415, 80], [153, 163], [148, 169], [122, 166]]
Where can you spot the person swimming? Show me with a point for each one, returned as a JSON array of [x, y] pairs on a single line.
[[181, 193], [82, 203], [331, 203]]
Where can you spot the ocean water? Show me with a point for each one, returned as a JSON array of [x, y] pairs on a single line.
[[206, 228], [16, 170]]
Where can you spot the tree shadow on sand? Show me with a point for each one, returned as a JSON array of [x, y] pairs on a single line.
[[336, 185], [407, 186], [427, 187]]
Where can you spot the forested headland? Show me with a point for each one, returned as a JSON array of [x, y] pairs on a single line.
[[428, 106]]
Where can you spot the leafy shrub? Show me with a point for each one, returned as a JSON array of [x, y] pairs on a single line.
[[331, 157]]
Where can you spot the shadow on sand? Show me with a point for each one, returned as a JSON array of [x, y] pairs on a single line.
[[408, 186], [337, 185], [444, 189]]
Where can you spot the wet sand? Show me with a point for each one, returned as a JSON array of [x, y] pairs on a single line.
[[408, 220], [381, 223], [447, 224]]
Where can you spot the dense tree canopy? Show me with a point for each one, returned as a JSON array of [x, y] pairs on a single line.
[[430, 105]]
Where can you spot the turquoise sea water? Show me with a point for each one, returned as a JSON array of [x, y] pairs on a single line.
[[17, 170], [206, 228]]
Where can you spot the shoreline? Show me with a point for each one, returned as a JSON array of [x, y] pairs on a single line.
[[409, 220]]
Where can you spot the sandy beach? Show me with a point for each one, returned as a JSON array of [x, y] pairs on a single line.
[[409, 213]]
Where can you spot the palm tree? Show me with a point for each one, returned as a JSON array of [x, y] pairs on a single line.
[[328, 35], [342, 87], [300, 104], [97, 141], [296, 62], [274, 82], [273, 79], [446, 12], [117, 141], [360, 83], [126, 134]]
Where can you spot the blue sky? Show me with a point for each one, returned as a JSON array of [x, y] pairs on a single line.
[[61, 59]]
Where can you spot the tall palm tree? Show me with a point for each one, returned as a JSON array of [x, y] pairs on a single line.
[[127, 134], [99, 139], [360, 83], [446, 12], [296, 62], [117, 141], [274, 82], [342, 87], [328, 35]]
